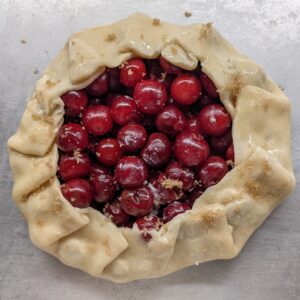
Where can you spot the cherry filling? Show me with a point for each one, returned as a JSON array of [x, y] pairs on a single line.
[[142, 142]]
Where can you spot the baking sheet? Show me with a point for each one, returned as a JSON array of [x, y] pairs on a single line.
[[32, 32]]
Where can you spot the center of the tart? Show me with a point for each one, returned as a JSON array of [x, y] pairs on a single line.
[[142, 142]]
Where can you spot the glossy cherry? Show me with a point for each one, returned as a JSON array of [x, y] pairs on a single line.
[[133, 71], [131, 171], [193, 124], [150, 96], [71, 137], [115, 213], [137, 201], [132, 137], [230, 153], [75, 102], [220, 143], [99, 86], [146, 224], [157, 151], [170, 120], [103, 183], [174, 209], [114, 80], [74, 165], [108, 151], [212, 171], [124, 110], [186, 89], [177, 171], [214, 119], [191, 149], [97, 119], [78, 192], [208, 86], [168, 67]]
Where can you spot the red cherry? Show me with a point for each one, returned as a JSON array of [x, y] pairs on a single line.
[[99, 86], [131, 171], [108, 152], [115, 213], [186, 89], [74, 165], [132, 137], [193, 124], [97, 119], [137, 201], [168, 67], [171, 120], [157, 151], [148, 223], [214, 119], [220, 143], [78, 192], [114, 80], [75, 102], [230, 152], [104, 185], [154, 69], [212, 171], [174, 209], [195, 194], [134, 70], [191, 149], [208, 86], [124, 110], [163, 193], [201, 102], [71, 137], [150, 96], [176, 171]]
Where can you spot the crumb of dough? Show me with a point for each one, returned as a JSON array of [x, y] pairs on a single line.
[[187, 14], [23, 41], [129, 72], [156, 22], [110, 37], [123, 64], [171, 183]]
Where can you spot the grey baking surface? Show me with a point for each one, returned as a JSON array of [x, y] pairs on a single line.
[[267, 31]]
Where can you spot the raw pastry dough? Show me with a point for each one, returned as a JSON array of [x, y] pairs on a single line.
[[221, 220]]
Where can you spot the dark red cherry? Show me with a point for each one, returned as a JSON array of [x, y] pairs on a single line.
[[150, 96], [97, 119], [148, 121], [103, 183], [214, 119], [174, 209], [186, 89], [146, 224], [193, 124], [208, 86], [230, 152], [157, 151], [99, 86], [71, 137], [75, 102], [114, 80], [133, 71], [191, 149], [137, 201], [220, 143], [212, 171], [124, 110], [108, 152], [168, 67], [177, 171], [154, 69], [131, 171], [74, 165], [170, 120], [132, 137], [195, 194], [109, 99], [115, 213], [78, 192], [200, 103]]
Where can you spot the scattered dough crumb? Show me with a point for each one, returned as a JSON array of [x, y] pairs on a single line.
[[35, 71], [23, 41], [129, 72], [156, 22], [171, 183], [187, 14], [110, 37], [123, 64]]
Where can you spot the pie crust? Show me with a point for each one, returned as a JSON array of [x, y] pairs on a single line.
[[221, 220]]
